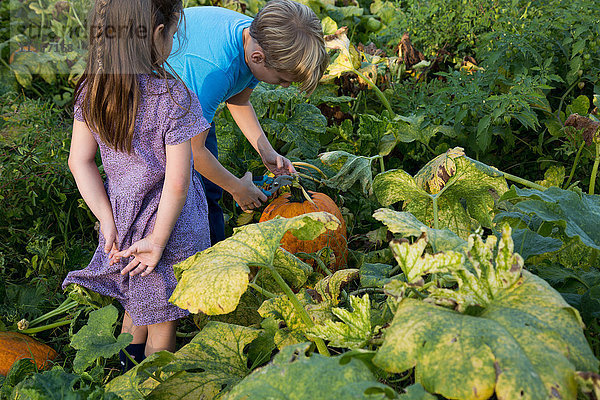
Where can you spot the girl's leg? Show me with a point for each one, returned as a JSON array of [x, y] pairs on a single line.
[[140, 333], [137, 346], [161, 337]]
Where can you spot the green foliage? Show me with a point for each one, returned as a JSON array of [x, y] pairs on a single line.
[[578, 214], [319, 306], [58, 384], [354, 330], [536, 63], [212, 281], [296, 376], [19, 371], [96, 339], [579, 287], [45, 226], [435, 195], [507, 323], [349, 170], [207, 367], [47, 46]]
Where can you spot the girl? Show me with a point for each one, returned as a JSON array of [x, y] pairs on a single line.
[[151, 207]]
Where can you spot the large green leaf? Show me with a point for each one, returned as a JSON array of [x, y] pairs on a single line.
[[97, 339], [57, 384], [53, 384], [348, 59], [407, 225], [330, 287], [577, 214], [207, 367], [518, 339], [473, 183], [349, 170], [291, 328], [318, 304], [529, 243], [375, 275], [218, 350], [265, 95], [353, 331], [213, 281], [293, 270], [293, 375], [303, 128], [139, 381]]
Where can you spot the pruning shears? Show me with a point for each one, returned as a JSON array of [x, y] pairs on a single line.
[[270, 185]]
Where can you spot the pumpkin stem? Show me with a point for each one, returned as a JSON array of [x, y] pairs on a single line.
[[297, 192]]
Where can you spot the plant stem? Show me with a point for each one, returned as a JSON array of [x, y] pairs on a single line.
[[317, 259], [562, 100], [577, 158], [307, 165], [381, 164], [300, 174], [595, 169], [151, 375], [522, 181], [298, 306], [45, 327], [262, 291], [428, 147], [378, 91], [436, 219], [64, 307]]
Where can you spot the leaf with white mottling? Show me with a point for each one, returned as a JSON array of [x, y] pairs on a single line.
[[350, 169], [407, 225], [213, 280], [353, 331], [294, 376], [522, 340]]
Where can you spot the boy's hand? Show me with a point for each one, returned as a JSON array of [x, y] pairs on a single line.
[[247, 195], [278, 164], [146, 255]]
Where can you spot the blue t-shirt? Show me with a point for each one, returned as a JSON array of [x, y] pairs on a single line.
[[211, 61]]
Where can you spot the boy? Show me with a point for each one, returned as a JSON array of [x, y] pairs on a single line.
[[224, 55]]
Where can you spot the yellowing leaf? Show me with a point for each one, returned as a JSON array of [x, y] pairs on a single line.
[[293, 375], [436, 173], [213, 281], [353, 331], [522, 340]]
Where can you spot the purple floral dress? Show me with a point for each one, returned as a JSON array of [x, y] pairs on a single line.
[[134, 184]]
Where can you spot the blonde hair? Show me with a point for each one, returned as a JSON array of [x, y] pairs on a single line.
[[291, 37]]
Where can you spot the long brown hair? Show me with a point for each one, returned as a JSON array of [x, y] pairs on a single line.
[[121, 46]]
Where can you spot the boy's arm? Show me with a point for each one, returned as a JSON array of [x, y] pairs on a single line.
[[82, 164], [244, 192], [243, 113]]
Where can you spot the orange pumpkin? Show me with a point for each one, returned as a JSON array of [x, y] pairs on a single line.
[[20, 50], [292, 204], [14, 346]]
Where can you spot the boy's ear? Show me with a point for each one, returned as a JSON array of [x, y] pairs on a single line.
[[257, 56]]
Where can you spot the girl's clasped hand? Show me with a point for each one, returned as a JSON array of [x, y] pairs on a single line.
[[146, 254]]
